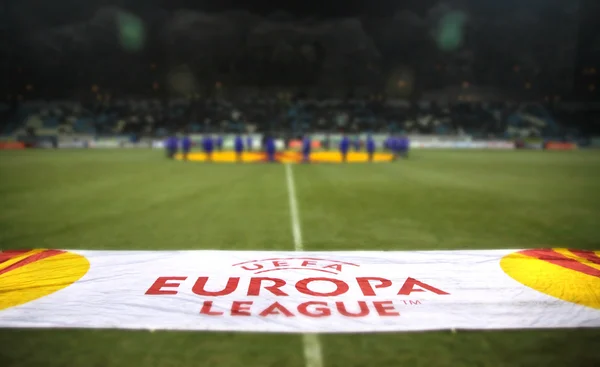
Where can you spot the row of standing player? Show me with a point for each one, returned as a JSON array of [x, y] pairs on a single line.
[[209, 145], [399, 146]]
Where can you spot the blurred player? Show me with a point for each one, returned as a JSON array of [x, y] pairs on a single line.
[[370, 147], [344, 146], [270, 148], [392, 143], [306, 147], [400, 145], [171, 146], [389, 143], [356, 143], [404, 143], [238, 146], [186, 146], [208, 147]]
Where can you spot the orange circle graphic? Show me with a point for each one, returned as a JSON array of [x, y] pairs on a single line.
[[569, 275], [26, 275]]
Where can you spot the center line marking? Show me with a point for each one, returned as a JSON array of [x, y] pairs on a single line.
[[312, 346]]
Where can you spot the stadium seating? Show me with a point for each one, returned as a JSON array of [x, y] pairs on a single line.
[[151, 117]]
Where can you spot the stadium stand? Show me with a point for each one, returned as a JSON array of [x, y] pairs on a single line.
[[153, 118]]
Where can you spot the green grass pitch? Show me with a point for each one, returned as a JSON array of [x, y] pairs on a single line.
[[136, 199]]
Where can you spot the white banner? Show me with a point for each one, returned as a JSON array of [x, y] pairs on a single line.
[[105, 144], [499, 144], [433, 144], [73, 144], [479, 144], [300, 292]]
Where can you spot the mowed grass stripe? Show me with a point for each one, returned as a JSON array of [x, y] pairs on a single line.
[[149, 204], [130, 199], [469, 200]]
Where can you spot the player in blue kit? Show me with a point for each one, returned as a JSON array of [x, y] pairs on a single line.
[[370, 147], [389, 143], [171, 146], [403, 146], [239, 147], [392, 143], [208, 147], [270, 148], [186, 146], [344, 146], [306, 147], [399, 146]]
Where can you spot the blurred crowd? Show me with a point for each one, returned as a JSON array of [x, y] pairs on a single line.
[[155, 118]]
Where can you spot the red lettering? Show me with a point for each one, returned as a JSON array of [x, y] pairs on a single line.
[[367, 289], [206, 309], [409, 287], [341, 287], [385, 308], [162, 282], [255, 267], [278, 264], [364, 309], [255, 283], [231, 286], [309, 263], [276, 309], [337, 267], [417, 302], [317, 312], [241, 308]]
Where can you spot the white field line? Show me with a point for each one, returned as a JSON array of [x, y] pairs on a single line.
[[312, 346]]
